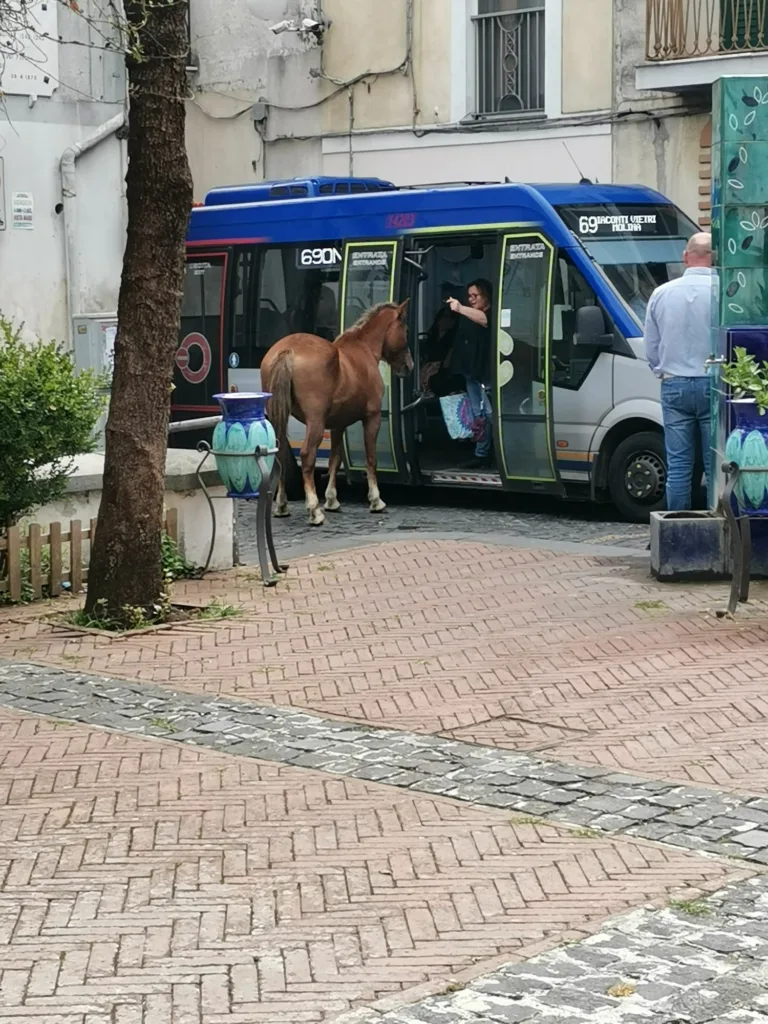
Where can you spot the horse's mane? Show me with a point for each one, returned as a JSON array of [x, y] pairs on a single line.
[[369, 314]]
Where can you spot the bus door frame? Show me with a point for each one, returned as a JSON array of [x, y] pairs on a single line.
[[354, 468], [492, 234], [515, 478], [193, 255], [410, 279]]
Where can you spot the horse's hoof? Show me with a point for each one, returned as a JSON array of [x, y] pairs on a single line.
[[281, 513], [316, 517], [334, 506], [377, 506]]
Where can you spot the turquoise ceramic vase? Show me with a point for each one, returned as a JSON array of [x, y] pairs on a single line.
[[244, 428], [747, 446]]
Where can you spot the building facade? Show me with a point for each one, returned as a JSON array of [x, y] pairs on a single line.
[[413, 91], [668, 54], [62, 165]]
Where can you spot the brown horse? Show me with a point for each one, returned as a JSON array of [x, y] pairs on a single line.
[[334, 385]]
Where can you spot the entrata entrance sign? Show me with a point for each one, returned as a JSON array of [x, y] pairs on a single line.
[[191, 341]]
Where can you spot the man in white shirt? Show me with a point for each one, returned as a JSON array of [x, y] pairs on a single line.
[[678, 342]]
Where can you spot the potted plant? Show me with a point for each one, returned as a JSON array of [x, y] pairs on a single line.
[[747, 444]]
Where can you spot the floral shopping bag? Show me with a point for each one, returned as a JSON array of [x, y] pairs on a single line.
[[458, 418]]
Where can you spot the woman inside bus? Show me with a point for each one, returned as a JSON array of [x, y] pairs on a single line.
[[471, 358]]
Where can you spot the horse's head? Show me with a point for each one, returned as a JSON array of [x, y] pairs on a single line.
[[395, 350]]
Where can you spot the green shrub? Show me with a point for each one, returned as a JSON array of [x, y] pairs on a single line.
[[175, 565], [48, 413], [27, 595]]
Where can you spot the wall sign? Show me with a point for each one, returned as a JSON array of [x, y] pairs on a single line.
[[32, 68], [191, 341], [22, 211]]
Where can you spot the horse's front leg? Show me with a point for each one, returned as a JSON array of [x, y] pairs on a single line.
[[371, 433], [332, 503], [314, 435]]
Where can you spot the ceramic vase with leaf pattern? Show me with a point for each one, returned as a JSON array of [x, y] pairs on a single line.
[[747, 447], [243, 429]]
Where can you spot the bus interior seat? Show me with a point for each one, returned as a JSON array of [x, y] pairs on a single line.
[[272, 326]]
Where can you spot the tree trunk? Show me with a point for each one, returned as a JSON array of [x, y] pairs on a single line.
[[126, 563]]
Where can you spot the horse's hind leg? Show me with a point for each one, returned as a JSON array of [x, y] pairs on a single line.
[[314, 435], [281, 500], [332, 503], [370, 434]]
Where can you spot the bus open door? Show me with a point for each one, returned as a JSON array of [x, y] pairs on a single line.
[[370, 276], [522, 385]]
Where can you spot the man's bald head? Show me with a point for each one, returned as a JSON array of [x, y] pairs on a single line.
[[698, 252]]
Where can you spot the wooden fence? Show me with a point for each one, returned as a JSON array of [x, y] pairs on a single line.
[[47, 564]]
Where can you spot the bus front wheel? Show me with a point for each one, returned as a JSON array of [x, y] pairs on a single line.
[[637, 476]]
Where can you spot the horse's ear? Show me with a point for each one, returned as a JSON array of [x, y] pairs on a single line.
[[402, 309]]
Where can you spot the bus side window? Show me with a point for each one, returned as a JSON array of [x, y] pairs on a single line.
[[271, 319], [243, 335], [572, 362]]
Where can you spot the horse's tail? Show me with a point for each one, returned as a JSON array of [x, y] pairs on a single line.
[[281, 387]]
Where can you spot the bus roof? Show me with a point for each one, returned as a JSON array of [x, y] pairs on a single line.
[[314, 209]]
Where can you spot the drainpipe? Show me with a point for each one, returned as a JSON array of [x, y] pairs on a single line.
[[69, 203]]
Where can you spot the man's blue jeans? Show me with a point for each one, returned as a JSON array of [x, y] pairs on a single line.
[[481, 410], [686, 410]]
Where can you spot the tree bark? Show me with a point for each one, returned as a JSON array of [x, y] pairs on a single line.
[[126, 562]]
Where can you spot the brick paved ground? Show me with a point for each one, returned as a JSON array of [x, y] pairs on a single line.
[[150, 883], [697, 962], [578, 656], [433, 512]]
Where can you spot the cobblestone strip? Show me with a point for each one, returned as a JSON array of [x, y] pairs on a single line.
[[695, 962], [586, 797]]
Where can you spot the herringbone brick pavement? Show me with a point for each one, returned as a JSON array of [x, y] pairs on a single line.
[[585, 658], [144, 882]]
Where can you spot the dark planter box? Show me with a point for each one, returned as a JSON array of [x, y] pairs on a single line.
[[689, 546]]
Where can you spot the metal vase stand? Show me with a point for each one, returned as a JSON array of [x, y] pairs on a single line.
[[740, 535], [264, 539]]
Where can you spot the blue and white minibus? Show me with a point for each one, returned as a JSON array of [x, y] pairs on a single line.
[[575, 407]]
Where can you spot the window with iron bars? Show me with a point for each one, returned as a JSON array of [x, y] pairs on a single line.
[[509, 56]]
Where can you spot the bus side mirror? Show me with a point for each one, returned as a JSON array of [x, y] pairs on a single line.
[[590, 328]]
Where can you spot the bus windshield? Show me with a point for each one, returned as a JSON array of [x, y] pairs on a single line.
[[638, 247]]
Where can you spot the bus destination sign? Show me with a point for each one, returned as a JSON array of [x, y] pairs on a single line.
[[617, 224], [611, 221]]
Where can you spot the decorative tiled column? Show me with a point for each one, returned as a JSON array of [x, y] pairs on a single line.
[[740, 242]]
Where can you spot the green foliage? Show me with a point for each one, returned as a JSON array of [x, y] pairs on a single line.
[[175, 565], [27, 595], [48, 413], [130, 618], [218, 610], [694, 908], [747, 378]]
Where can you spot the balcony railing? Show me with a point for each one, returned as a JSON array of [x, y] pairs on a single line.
[[704, 28], [510, 61]]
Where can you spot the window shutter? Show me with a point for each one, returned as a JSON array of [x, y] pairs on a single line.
[[744, 24]]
